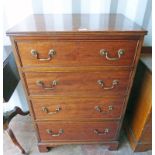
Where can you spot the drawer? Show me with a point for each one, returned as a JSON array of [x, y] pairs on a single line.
[[77, 53], [77, 131], [77, 108], [111, 83]]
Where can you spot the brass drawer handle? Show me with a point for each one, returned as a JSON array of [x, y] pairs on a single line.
[[41, 84], [120, 52], [51, 53], [98, 109], [104, 132], [50, 132], [44, 109], [114, 83]]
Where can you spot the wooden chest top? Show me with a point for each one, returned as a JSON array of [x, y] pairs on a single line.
[[67, 24]]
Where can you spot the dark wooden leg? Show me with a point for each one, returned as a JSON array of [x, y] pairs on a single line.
[[20, 112], [42, 148], [14, 140], [10, 114], [113, 146], [6, 120], [45, 147]]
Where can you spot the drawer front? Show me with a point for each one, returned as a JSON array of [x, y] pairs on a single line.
[[75, 108], [78, 131], [111, 83], [76, 53]]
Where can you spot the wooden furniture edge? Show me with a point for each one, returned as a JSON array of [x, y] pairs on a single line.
[[146, 50], [135, 145], [131, 82], [44, 147]]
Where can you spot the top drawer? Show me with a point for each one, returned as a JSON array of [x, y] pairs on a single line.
[[77, 53]]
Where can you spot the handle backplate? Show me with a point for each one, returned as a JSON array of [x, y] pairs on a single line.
[[104, 132], [114, 84], [40, 83], [50, 132], [45, 109], [51, 54], [99, 109], [105, 53]]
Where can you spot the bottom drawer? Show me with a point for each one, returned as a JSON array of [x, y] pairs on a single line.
[[77, 131]]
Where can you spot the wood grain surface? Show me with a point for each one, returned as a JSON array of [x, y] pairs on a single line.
[[64, 24], [77, 53], [77, 131], [139, 127], [78, 108], [84, 84]]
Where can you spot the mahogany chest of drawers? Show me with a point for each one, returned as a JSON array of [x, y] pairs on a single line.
[[77, 71]]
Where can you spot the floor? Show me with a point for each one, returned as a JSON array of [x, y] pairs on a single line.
[[23, 129]]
